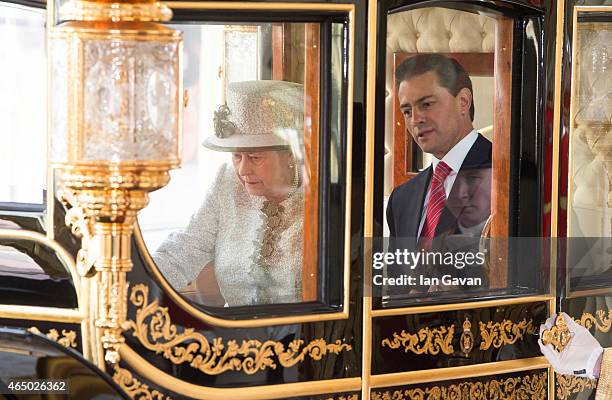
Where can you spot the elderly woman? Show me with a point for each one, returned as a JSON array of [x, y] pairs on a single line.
[[249, 228]]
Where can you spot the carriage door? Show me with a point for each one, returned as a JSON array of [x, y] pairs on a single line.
[[462, 321], [583, 225], [233, 295]]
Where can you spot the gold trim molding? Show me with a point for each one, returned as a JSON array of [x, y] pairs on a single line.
[[134, 388], [66, 338], [145, 11], [498, 334], [601, 320], [151, 373], [570, 384], [350, 397], [471, 305], [425, 341], [525, 387], [154, 330]]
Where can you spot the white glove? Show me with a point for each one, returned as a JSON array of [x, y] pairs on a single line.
[[581, 357]]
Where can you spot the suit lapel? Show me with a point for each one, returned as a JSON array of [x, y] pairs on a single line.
[[422, 185], [479, 154]]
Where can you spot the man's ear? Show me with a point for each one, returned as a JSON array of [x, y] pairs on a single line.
[[465, 100]]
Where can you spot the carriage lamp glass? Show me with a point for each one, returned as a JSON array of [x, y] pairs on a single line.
[[116, 94], [115, 134]]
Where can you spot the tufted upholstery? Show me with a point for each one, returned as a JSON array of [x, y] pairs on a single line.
[[440, 30], [436, 29]]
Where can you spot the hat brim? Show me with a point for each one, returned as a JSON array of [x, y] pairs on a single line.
[[266, 142]]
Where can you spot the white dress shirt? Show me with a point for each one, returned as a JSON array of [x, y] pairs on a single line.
[[454, 159]]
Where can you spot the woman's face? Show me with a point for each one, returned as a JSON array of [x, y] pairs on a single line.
[[265, 173]]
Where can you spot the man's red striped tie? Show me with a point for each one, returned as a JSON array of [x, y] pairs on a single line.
[[437, 200]]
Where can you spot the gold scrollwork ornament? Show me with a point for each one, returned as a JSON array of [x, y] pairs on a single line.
[[533, 387], [66, 338], [558, 335], [570, 384], [498, 334], [154, 330], [466, 342], [601, 320], [425, 341], [134, 388]]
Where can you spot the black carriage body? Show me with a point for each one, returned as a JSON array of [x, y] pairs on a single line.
[[347, 344]]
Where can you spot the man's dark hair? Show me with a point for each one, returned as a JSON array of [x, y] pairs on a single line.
[[451, 74]]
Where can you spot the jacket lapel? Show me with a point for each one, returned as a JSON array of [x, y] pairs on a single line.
[[421, 187]]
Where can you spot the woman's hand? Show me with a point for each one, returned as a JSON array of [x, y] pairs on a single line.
[[207, 286], [582, 355]]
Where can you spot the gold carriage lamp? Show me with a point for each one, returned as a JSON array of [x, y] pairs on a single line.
[[115, 124]]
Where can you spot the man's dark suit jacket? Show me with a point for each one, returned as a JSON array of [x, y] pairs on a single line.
[[405, 205]]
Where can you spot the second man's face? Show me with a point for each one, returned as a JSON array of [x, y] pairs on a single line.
[[434, 117]]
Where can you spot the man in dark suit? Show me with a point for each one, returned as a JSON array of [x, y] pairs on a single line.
[[452, 196], [435, 95]]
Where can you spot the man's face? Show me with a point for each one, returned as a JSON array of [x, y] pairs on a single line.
[[470, 198], [434, 117]]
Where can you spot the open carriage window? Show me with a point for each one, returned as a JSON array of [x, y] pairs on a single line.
[[244, 220], [455, 134], [23, 104]]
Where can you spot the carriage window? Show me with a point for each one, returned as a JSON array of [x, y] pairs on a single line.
[[239, 222], [31, 274], [447, 144], [22, 104], [590, 199]]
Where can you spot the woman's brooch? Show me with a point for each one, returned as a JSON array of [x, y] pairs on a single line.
[[271, 229], [223, 126]]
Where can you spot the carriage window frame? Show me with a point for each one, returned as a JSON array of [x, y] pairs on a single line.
[[525, 143], [333, 284]]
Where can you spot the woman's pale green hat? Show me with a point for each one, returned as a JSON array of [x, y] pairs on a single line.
[[259, 115]]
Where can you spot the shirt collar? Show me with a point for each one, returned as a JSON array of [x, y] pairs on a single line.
[[475, 230], [454, 158]]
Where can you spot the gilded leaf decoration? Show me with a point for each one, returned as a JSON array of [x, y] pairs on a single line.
[[570, 384], [498, 334], [558, 335], [155, 331], [134, 388], [601, 320], [66, 338], [425, 341], [533, 387]]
